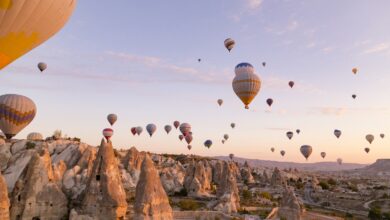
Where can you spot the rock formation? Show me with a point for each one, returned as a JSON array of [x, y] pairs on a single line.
[[4, 201], [132, 164], [104, 196], [217, 171], [265, 177], [227, 193], [246, 174], [290, 207], [172, 178], [277, 178], [36, 195], [151, 201], [198, 178]]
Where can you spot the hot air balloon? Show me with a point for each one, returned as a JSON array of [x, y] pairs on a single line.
[[139, 130], [208, 143], [42, 66], [151, 128], [367, 150], [231, 156], [289, 134], [199, 60], [337, 133], [339, 161], [291, 84], [229, 44], [219, 101], [176, 124], [226, 137], [16, 112], [272, 149], [181, 137], [185, 128], [282, 152], [25, 25], [244, 68], [298, 131], [189, 147], [382, 135], [188, 138], [354, 70], [35, 136], [107, 133], [370, 138], [354, 96], [269, 102], [264, 63], [111, 118], [246, 85], [306, 151], [133, 130], [233, 125], [168, 128], [223, 141], [323, 154]]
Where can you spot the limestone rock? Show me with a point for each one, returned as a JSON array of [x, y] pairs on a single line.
[[277, 178], [104, 197], [4, 201], [246, 174], [172, 178], [37, 195], [5, 155], [227, 193], [151, 201], [132, 163], [198, 178], [217, 167], [290, 207]]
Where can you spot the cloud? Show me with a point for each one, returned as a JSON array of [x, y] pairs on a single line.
[[378, 48], [291, 26], [254, 4]]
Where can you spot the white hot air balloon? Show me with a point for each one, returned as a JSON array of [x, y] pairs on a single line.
[[35, 136], [139, 130], [108, 133], [16, 112], [25, 25], [246, 84], [229, 44]]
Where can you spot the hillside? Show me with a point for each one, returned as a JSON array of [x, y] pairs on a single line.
[[320, 166]]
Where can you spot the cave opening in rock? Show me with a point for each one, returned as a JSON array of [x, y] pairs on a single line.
[[98, 177]]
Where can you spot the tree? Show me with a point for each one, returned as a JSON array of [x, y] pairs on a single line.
[[375, 213]]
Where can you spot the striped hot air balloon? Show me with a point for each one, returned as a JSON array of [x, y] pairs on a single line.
[[16, 112], [229, 44], [246, 84], [25, 25], [107, 133]]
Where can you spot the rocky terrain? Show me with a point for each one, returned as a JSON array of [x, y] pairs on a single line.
[[67, 179]]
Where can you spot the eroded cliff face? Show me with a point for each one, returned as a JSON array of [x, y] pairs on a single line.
[[290, 208], [4, 201]]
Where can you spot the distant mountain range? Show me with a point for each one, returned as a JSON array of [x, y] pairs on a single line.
[[380, 166], [319, 166]]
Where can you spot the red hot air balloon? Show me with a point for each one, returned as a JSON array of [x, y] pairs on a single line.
[[107, 133], [134, 130]]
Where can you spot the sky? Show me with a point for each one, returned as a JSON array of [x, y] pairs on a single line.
[[139, 59]]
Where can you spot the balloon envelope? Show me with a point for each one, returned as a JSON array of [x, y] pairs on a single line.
[[208, 143], [370, 138], [244, 68], [246, 85], [185, 128], [188, 138], [339, 161], [139, 130], [367, 150], [134, 130], [233, 125], [16, 112], [107, 133], [111, 118], [272, 149], [231, 156], [168, 128], [323, 154], [151, 128], [382, 135], [219, 101], [226, 137], [282, 152], [25, 25], [306, 151], [189, 147], [229, 44], [298, 131], [355, 70], [176, 124], [181, 137], [42, 66], [289, 134], [337, 133], [269, 102], [291, 84]]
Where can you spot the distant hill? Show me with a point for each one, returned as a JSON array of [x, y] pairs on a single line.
[[320, 166], [380, 166]]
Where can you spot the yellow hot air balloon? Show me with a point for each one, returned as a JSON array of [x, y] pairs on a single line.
[[246, 85], [16, 112], [25, 25]]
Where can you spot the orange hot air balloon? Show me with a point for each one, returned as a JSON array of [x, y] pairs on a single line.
[[355, 70], [25, 24]]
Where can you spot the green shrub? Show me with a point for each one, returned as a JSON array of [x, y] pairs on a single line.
[[76, 139], [375, 213], [188, 205], [183, 192], [332, 182], [246, 194], [30, 145], [266, 195], [324, 185]]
